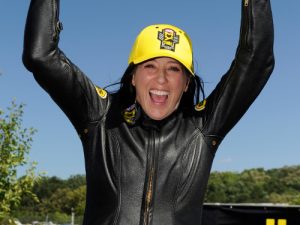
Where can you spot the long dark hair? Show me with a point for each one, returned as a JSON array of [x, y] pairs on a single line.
[[193, 95]]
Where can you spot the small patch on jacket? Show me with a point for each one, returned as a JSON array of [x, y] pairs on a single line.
[[101, 92], [200, 106], [129, 114]]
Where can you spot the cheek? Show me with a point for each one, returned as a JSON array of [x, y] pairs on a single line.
[[137, 83], [141, 80], [186, 82], [181, 85], [140, 84]]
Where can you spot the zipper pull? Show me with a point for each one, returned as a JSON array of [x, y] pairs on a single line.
[[246, 3]]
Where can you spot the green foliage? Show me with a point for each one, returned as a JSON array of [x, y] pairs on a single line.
[[59, 217], [255, 186], [57, 199], [66, 199], [75, 181], [222, 187], [15, 144]]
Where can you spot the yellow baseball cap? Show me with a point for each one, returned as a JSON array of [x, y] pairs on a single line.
[[163, 40]]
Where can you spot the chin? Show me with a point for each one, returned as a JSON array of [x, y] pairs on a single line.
[[159, 116]]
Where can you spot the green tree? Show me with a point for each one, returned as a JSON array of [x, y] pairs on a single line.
[[254, 186], [15, 144], [223, 187], [57, 197], [75, 181], [66, 199]]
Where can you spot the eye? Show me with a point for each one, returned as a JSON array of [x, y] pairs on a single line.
[[174, 68], [149, 65]]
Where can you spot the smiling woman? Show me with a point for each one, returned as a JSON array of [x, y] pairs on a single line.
[[160, 74], [149, 147]]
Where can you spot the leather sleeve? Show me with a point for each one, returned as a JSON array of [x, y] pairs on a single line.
[[249, 72], [75, 94]]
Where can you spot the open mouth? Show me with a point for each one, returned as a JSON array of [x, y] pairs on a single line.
[[159, 96]]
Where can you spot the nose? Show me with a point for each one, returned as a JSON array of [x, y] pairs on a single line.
[[161, 77]]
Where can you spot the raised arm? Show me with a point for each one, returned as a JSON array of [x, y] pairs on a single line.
[[64, 82], [249, 72]]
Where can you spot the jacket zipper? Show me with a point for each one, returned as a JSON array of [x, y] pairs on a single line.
[[149, 196], [246, 4], [150, 184], [244, 26], [56, 23]]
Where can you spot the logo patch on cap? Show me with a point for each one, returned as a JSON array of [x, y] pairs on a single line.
[[168, 39]]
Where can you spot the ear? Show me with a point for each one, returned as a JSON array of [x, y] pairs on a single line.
[[133, 80]]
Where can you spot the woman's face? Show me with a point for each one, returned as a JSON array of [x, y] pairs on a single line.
[[159, 85]]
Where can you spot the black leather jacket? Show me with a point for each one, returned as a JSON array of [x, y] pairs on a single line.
[[148, 173]]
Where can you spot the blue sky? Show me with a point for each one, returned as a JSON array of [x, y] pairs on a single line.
[[98, 35]]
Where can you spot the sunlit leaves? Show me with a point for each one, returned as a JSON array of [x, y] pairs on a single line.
[[15, 144]]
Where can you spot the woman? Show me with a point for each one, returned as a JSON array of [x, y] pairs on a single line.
[[148, 148]]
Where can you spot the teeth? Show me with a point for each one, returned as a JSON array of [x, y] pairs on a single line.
[[158, 92]]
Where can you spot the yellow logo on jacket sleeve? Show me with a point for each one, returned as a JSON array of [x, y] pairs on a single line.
[[200, 106], [101, 92]]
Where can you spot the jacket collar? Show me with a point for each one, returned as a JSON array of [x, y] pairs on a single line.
[[135, 116]]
